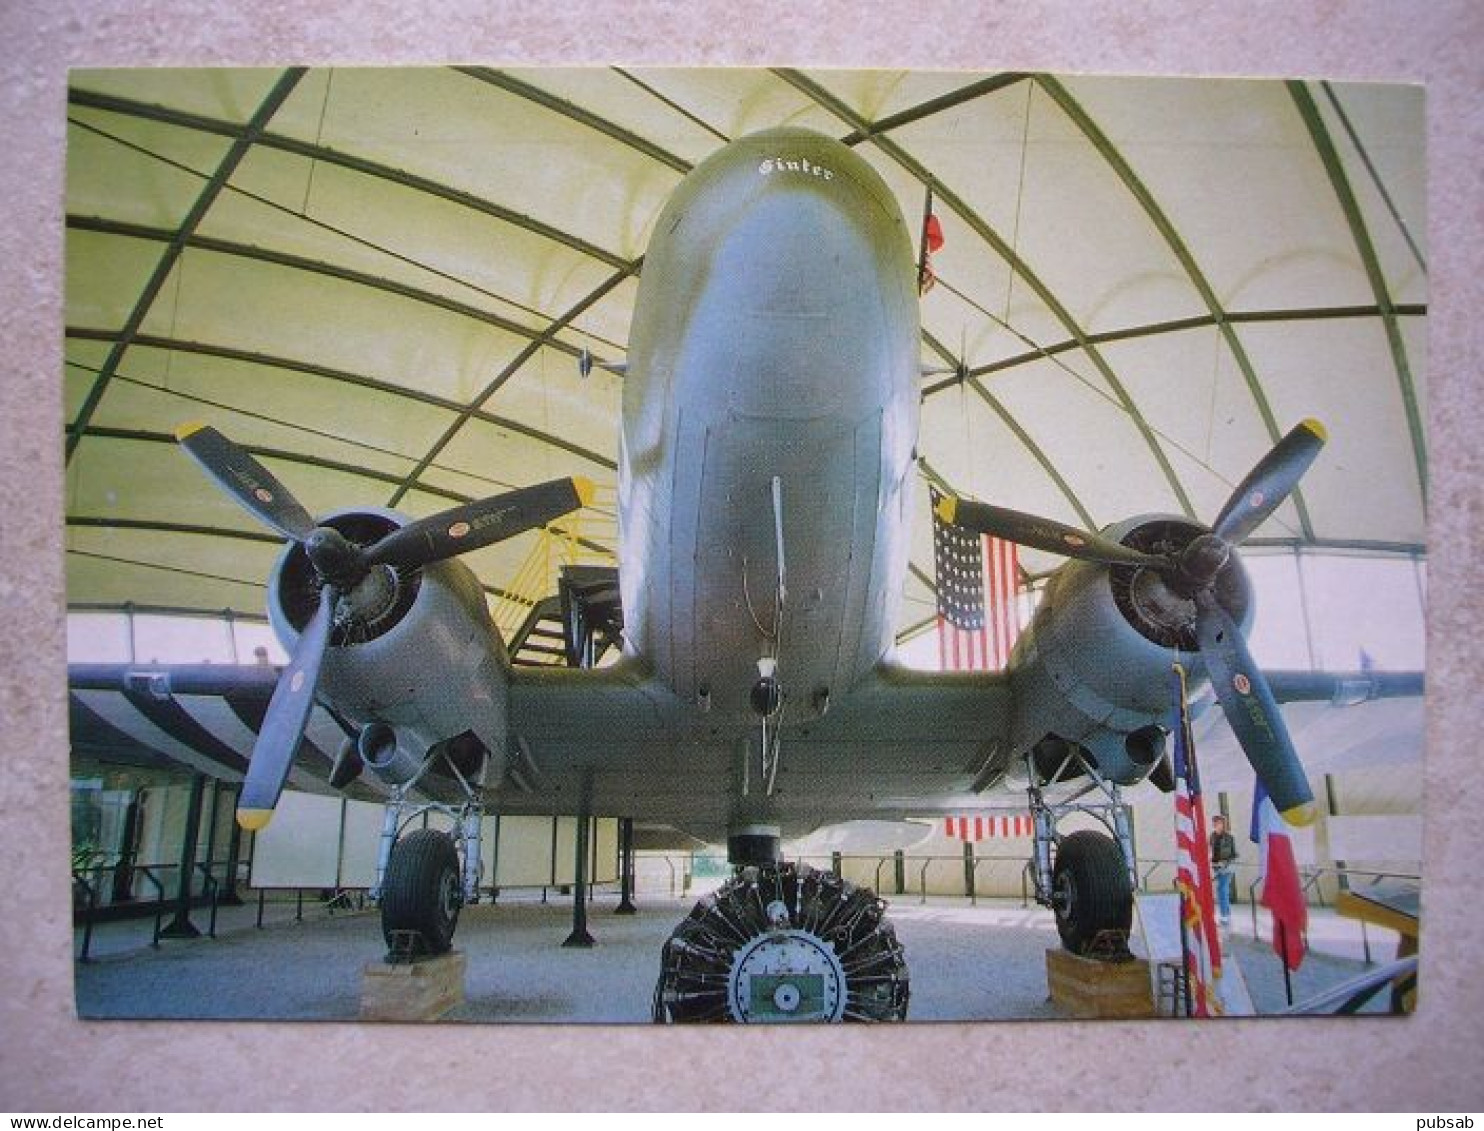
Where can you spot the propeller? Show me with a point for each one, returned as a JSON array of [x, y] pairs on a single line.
[[344, 569], [1191, 573]]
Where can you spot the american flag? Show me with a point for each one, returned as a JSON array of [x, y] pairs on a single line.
[[1199, 940], [984, 828], [978, 585]]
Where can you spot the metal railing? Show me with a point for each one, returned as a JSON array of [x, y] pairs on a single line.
[[570, 540], [88, 913]]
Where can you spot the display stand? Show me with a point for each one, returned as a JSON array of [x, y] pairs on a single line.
[[423, 989], [1091, 987]]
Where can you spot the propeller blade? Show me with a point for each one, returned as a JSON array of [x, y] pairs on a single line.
[[1269, 483], [1252, 711], [1042, 534], [283, 725], [479, 524], [246, 480]]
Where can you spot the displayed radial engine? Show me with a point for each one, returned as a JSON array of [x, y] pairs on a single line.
[[784, 943]]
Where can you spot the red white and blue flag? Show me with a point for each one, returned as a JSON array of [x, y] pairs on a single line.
[[988, 827], [1282, 893], [978, 580], [1199, 940]]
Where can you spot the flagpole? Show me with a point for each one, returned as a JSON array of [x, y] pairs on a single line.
[[1283, 958]]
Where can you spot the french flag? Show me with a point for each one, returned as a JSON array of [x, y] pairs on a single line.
[[1282, 893]]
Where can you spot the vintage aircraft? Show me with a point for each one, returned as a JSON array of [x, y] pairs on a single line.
[[766, 475]]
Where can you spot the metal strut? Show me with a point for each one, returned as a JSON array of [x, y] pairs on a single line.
[[1109, 810], [466, 818]]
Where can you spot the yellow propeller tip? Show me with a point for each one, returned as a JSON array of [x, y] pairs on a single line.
[[1318, 429], [947, 509], [1301, 814], [254, 820], [586, 490], [185, 431]]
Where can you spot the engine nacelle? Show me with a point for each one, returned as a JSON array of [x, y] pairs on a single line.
[[1093, 668], [414, 656]]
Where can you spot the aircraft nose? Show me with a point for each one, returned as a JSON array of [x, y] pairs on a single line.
[[804, 282]]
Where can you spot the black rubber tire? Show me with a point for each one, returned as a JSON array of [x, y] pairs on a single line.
[[1094, 896], [422, 891]]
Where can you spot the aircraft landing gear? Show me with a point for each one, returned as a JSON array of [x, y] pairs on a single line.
[[425, 876], [420, 894], [1085, 877], [784, 943]]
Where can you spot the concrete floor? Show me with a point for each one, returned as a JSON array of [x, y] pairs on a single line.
[[967, 963]]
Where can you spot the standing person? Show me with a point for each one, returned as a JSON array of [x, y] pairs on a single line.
[[1223, 867]]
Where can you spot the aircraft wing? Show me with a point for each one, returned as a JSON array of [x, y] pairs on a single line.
[[203, 718], [1339, 721], [899, 743]]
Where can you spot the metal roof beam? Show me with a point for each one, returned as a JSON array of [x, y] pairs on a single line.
[[578, 114], [1020, 434], [307, 460], [546, 337], [952, 201], [933, 106], [1335, 169], [313, 152], [1162, 224], [312, 369], [177, 241], [1175, 326], [319, 267]]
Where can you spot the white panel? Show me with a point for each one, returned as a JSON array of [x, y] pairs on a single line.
[[1195, 398], [1365, 606], [474, 136], [1087, 434], [626, 104], [362, 841], [524, 852], [272, 407], [236, 301], [229, 93], [182, 640], [565, 868], [737, 101], [97, 638], [605, 850], [104, 276], [1279, 637], [1376, 839], [1364, 483], [881, 93], [111, 178], [1234, 169], [1388, 122], [405, 234], [300, 848]]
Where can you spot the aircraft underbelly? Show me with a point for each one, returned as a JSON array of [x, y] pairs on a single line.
[[725, 571]]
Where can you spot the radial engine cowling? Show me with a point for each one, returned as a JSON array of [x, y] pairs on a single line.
[[413, 658], [1093, 668]]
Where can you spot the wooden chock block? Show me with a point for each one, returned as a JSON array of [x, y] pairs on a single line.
[[421, 990], [1089, 987]]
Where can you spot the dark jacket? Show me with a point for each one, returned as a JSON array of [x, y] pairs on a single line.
[[1223, 849]]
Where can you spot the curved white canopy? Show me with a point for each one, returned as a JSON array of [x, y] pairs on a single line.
[[379, 280]]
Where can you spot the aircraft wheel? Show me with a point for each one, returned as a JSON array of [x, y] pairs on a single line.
[[784, 943], [422, 891], [1091, 893]]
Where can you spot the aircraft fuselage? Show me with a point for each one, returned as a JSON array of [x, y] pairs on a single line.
[[775, 336]]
